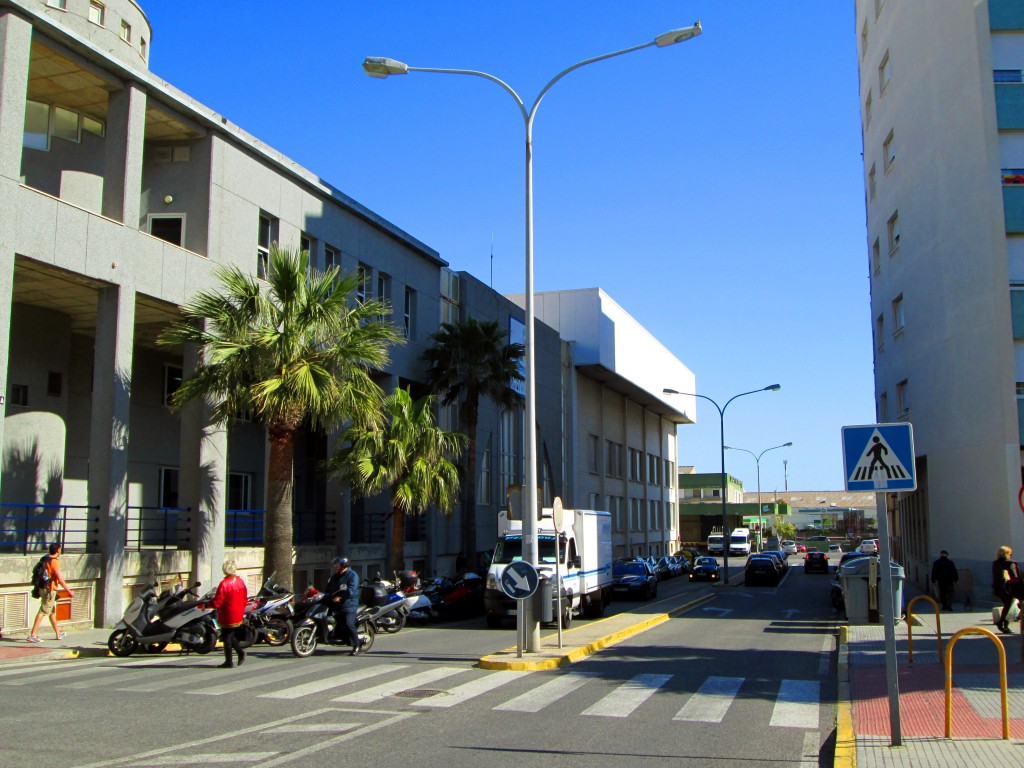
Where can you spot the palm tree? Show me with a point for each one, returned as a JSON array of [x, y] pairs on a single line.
[[410, 454], [471, 360], [292, 351]]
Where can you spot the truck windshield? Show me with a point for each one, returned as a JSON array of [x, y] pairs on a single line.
[[510, 548], [739, 539]]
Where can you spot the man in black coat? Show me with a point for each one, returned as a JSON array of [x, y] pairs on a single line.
[[343, 591], [945, 576]]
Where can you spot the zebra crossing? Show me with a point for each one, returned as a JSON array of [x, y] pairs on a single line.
[[417, 687]]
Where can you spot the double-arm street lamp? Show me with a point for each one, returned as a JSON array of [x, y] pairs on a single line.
[[757, 461], [381, 67], [723, 492]]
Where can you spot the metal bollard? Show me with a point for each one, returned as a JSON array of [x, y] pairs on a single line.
[[545, 596]]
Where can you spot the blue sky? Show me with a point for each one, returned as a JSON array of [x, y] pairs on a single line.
[[713, 188]]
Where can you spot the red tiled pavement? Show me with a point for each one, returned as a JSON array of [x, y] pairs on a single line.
[[24, 650], [922, 704]]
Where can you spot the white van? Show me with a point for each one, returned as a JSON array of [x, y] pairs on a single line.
[[715, 544], [739, 542]]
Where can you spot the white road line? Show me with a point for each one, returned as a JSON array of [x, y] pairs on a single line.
[[328, 743], [826, 655], [327, 683], [627, 697], [315, 728], [41, 666], [61, 675], [219, 757], [711, 701], [168, 678], [809, 753], [796, 705], [469, 690], [379, 692], [292, 672], [550, 692]]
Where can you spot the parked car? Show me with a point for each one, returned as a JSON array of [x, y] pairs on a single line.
[[789, 547], [815, 562], [634, 579], [705, 569], [681, 563], [835, 548], [661, 570], [761, 569], [671, 566], [869, 546], [801, 549], [780, 557]]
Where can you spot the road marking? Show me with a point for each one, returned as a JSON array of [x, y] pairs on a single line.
[[711, 701], [397, 686], [326, 683], [244, 683], [809, 755], [470, 690], [315, 728], [169, 678], [720, 611], [210, 759], [796, 705], [61, 675], [327, 744], [825, 662], [548, 693], [790, 612], [627, 697], [29, 668]]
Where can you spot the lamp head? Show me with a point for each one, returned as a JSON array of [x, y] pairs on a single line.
[[678, 35], [787, 445], [379, 66], [668, 391], [773, 388]]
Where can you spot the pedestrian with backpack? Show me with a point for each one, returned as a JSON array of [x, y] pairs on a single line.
[[46, 577]]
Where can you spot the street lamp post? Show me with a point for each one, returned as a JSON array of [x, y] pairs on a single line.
[[721, 421], [381, 67], [757, 461]]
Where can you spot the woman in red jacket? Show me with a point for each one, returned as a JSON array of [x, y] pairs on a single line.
[[230, 604]]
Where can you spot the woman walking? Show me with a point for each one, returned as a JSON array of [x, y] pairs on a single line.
[[1005, 583], [230, 604]]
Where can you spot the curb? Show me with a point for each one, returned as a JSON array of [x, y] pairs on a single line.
[[846, 739], [492, 661]]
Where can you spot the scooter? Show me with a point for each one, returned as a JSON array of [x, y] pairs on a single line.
[[267, 616], [385, 605], [314, 623], [152, 621]]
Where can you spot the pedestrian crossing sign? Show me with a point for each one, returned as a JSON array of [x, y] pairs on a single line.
[[879, 457]]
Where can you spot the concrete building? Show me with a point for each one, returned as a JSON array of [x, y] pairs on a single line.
[[119, 196], [942, 103]]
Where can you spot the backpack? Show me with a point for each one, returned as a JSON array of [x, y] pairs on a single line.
[[40, 576]]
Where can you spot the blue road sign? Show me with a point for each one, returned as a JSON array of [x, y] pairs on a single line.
[[519, 580], [879, 457]]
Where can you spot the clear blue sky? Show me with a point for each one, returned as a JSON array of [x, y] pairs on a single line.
[[713, 188]]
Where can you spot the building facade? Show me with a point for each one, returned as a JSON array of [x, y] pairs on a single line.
[[942, 105]]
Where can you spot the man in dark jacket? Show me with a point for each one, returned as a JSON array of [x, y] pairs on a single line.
[[945, 576], [343, 591]]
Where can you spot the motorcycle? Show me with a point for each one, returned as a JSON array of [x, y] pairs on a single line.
[[315, 622], [152, 621], [267, 616], [419, 606], [386, 606]]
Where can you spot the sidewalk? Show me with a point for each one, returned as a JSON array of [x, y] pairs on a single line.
[[863, 734]]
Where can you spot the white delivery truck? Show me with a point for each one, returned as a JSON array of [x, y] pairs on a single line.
[[585, 567], [739, 542], [715, 544]]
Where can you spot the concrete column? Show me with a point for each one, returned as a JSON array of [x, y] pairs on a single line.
[[108, 440], [122, 167], [6, 297], [15, 48], [202, 482]]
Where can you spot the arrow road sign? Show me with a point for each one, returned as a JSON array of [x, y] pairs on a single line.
[[519, 580], [879, 457]]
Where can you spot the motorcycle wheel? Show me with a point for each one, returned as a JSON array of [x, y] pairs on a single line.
[[367, 633], [154, 647], [394, 623], [246, 635], [122, 643], [209, 641], [304, 641], [277, 632]]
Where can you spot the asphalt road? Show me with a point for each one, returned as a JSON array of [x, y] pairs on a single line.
[[747, 679]]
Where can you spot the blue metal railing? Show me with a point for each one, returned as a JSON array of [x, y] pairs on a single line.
[[244, 527], [33, 527], [155, 527]]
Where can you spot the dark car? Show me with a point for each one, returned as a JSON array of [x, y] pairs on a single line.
[[673, 565], [761, 569], [682, 562], [780, 556], [660, 568], [705, 569], [634, 579], [815, 562]]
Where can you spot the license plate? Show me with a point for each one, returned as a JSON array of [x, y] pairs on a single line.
[[510, 612], [622, 589]]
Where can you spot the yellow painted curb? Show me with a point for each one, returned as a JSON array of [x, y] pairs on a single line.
[[567, 657], [846, 739]]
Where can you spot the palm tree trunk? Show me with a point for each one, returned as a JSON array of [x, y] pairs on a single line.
[[469, 508], [396, 561], [277, 537]]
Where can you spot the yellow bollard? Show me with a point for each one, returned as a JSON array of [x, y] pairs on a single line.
[[1002, 678], [910, 626]]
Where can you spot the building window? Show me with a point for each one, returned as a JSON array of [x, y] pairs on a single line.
[[593, 463], [880, 332], [653, 469], [897, 314], [126, 31], [634, 514], [239, 490], [636, 466], [97, 12], [66, 124], [884, 73], [19, 394], [903, 398], [168, 227], [893, 232], [883, 408], [613, 459], [383, 286], [142, 47], [363, 275], [308, 244], [93, 126], [889, 150], [61, 5], [879, 4], [593, 500], [876, 257], [450, 289], [266, 235], [37, 126], [872, 183], [169, 487], [332, 258], [172, 380], [867, 110], [483, 491], [54, 383], [409, 314], [864, 39], [1004, 76]]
